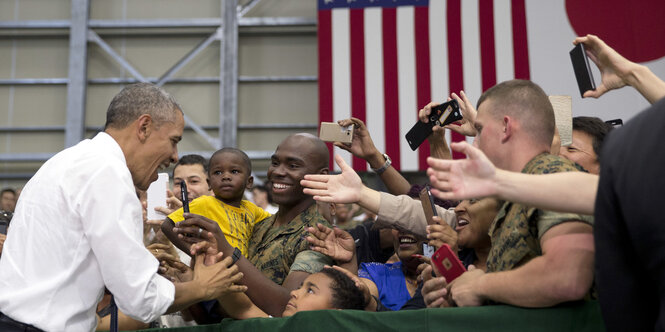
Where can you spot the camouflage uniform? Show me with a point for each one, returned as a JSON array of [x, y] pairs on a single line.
[[277, 250], [517, 229]]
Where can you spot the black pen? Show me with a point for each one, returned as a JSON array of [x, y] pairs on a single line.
[[183, 197]]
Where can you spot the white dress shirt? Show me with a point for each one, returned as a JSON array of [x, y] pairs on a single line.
[[78, 227]]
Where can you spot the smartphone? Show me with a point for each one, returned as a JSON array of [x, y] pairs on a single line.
[[333, 132], [427, 201], [428, 204], [157, 196], [447, 263], [441, 115], [615, 122], [183, 197], [582, 69], [3, 227]]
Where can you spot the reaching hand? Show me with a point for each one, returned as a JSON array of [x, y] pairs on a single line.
[[194, 228], [339, 188], [473, 177], [440, 233], [361, 145], [611, 64], [335, 243], [218, 279], [466, 125], [434, 289], [463, 290]]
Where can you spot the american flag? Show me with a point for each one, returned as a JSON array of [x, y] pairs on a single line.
[[383, 60]]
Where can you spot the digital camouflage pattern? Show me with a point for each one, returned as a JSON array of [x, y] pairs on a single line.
[[276, 251], [517, 229]]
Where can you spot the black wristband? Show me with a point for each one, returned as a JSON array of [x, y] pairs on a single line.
[[236, 255]]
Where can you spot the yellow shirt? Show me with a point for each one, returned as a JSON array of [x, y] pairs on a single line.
[[237, 224]]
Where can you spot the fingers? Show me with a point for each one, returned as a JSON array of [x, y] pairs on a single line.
[[434, 292], [343, 146], [156, 222], [342, 164], [313, 184], [237, 288], [323, 178]]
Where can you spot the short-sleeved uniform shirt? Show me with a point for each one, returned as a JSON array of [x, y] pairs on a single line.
[[278, 250], [237, 223], [517, 229]]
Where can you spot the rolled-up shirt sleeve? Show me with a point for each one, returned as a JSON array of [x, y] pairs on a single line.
[[405, 213], [112, 222]]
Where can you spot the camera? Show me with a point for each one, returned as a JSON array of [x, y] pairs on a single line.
[[5, 218]]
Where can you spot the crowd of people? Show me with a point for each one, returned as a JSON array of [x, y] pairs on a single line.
[[518, 213]]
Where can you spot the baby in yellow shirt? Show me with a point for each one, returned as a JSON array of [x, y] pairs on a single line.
[[229, 174]]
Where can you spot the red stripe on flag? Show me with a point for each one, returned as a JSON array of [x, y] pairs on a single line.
[[487, 51], [357, 41], [520, 42], [455, 69], [423, 83], [325, 71], [390, 87]]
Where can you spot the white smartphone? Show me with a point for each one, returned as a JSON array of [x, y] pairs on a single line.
[[157, 196]]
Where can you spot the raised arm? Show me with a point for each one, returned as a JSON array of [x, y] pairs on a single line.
[[617, 71], [477, 177], [363, 147]]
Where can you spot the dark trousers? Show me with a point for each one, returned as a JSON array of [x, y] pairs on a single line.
[[9, 325]]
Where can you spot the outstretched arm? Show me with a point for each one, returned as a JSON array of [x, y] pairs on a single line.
[[263, 292], [617, 71], [476, 177]]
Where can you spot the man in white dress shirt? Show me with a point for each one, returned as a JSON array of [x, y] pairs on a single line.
[[78, 227]]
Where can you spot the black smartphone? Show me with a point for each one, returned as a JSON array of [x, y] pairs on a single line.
[[615, 122], [441, 115], [183, 197], [582, 69]]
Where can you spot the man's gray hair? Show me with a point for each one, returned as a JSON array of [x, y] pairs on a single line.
[[137, 99]]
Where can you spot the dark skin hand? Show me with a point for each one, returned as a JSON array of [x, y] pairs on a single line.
[[267, 295]]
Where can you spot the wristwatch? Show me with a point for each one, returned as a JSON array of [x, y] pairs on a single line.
[[385, 166]]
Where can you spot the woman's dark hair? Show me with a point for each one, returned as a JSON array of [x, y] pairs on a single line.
[[345, 294]]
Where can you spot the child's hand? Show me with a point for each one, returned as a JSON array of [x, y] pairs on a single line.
[[335, 243]]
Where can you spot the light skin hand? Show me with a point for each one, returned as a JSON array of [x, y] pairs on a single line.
[[466, 125], [613, 67], [434, 289], [472, 177], [335, 243], [340, 188], [172, 202], [440, 233], [361, 145], [463, 289]]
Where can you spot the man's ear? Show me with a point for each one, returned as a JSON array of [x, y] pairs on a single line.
[[507, 124], [324, 170], [144, 127], [333, 210], [250, 182]]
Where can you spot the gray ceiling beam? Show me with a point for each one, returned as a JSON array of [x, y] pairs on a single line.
[[228, 87], [78, 64]]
